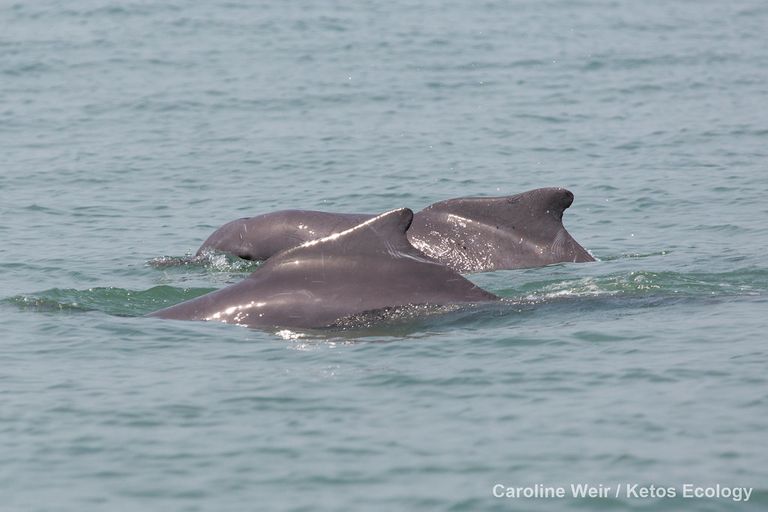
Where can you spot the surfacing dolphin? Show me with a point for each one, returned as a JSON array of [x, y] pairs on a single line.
[[472, 234], [369, 267]]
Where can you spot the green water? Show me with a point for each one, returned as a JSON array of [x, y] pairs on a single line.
[[128, 132]]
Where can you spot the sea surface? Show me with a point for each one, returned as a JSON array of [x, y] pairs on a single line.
[[130, 130]]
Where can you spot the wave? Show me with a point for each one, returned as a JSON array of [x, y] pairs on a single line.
[[113, 301], [744, 282], [625, 287]]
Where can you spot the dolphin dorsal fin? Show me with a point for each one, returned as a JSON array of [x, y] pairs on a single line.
[[383, 234], [540, 202], [387, 229]]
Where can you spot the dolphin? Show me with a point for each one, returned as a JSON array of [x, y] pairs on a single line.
[[470, 234], [479, 234], [258, 238], [369, 267]]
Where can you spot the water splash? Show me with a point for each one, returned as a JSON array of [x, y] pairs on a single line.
[[209, 260]]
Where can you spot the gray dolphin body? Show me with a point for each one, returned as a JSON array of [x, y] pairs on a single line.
[[474, 234], [368, 267]]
